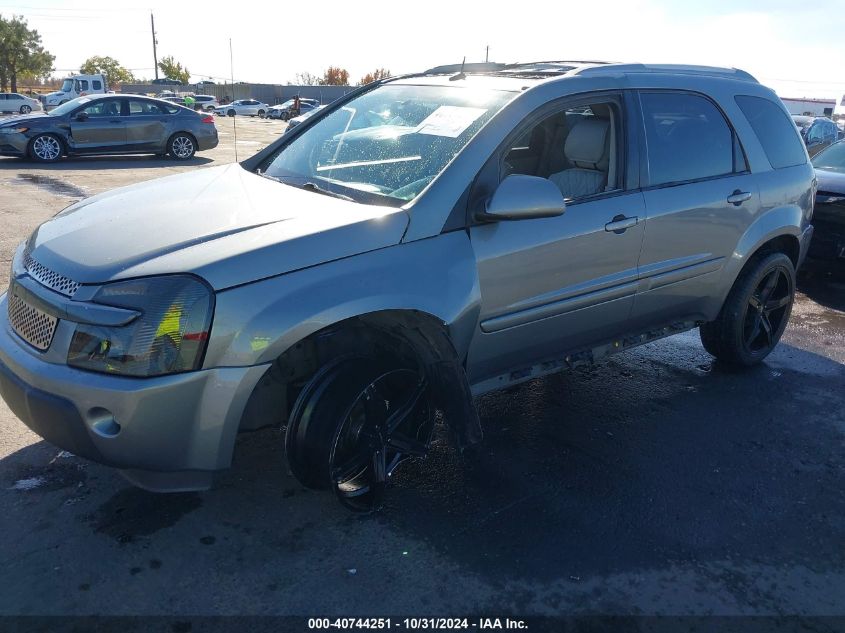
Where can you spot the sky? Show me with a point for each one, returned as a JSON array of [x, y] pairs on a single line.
[[796, 50]]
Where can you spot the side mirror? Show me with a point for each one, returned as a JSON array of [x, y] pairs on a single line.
[[82, 116], [521, 197]]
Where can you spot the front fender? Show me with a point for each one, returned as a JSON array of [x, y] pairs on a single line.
[[256, 323]]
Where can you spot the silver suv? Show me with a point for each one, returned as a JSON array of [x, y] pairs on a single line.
[[421, 241]]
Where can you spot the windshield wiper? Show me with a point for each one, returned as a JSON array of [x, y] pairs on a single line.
[[308, 186], [311, 186]]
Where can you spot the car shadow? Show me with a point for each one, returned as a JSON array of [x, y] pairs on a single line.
[[129, 161], [654, 460], [824, 283]]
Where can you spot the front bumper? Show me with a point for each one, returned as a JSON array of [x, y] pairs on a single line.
[[166, 433], [806, 240], [829, 241], [13, 144]]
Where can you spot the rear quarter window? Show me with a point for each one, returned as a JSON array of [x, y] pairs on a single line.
[[775, 131]]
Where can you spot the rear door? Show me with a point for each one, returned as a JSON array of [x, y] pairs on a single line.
[[700, 197], [103, 128], [146, 125]]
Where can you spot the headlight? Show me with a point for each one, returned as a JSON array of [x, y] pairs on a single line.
[[169, 337], [13, 130]]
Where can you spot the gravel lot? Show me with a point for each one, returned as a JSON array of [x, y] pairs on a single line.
[[657, 483]]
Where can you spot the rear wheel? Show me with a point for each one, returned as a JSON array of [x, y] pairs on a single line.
[[353, 424], [45, 148], [182, 146], [755, 313]]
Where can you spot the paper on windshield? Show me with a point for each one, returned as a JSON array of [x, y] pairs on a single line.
[[449, 121]]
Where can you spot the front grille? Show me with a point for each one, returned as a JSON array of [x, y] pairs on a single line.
[[46, 277], [31, 324]]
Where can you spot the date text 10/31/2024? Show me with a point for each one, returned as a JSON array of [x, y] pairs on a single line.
[[357, 624]]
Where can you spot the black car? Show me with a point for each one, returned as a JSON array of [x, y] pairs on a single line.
[[166, 81], [108, 124], [829, 213]]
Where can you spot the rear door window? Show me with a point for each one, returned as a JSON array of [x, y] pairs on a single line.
[[775, 131], [687, 138], [97, 84], [139, 107]]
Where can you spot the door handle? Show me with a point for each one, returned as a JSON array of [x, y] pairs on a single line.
[[738, 197], [620, 224]]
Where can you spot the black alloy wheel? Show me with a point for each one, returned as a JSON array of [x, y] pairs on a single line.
[[352, 426]]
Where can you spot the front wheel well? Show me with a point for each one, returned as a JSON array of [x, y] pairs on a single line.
[[409, 336], [62, 142]]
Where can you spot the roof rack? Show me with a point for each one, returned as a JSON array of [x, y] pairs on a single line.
[[708, 71], [538, 67], [552, 68]]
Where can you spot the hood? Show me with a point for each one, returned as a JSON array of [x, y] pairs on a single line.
[[18, 119], [831, 181], [225, 224]]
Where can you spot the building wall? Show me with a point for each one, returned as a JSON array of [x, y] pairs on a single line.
[[268, 93], [813, 107]]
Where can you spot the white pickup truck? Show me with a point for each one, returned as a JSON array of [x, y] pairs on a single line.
[[73, 87]]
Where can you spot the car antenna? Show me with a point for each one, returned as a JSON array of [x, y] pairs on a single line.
[[460, 74], [234, 118]]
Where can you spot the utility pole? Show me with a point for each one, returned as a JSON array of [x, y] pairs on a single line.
[[155, 55], [487, 54]]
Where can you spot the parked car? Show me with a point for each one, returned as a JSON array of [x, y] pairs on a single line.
[[15, 102], [427, 239], [243, 107], [206, 102], [292, 123], [174, 99], [166, 81], [829, 214], [817, 132], [108, 124], [284, 110]]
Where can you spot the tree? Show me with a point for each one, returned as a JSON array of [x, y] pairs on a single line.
[[21, 53], [335, 76], [306, 79], [379, 73], [173, 69], [108, 66]]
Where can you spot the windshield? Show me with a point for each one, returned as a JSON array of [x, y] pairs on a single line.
[[70, 105], [67, 85], [832, 159], [388, 143]]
